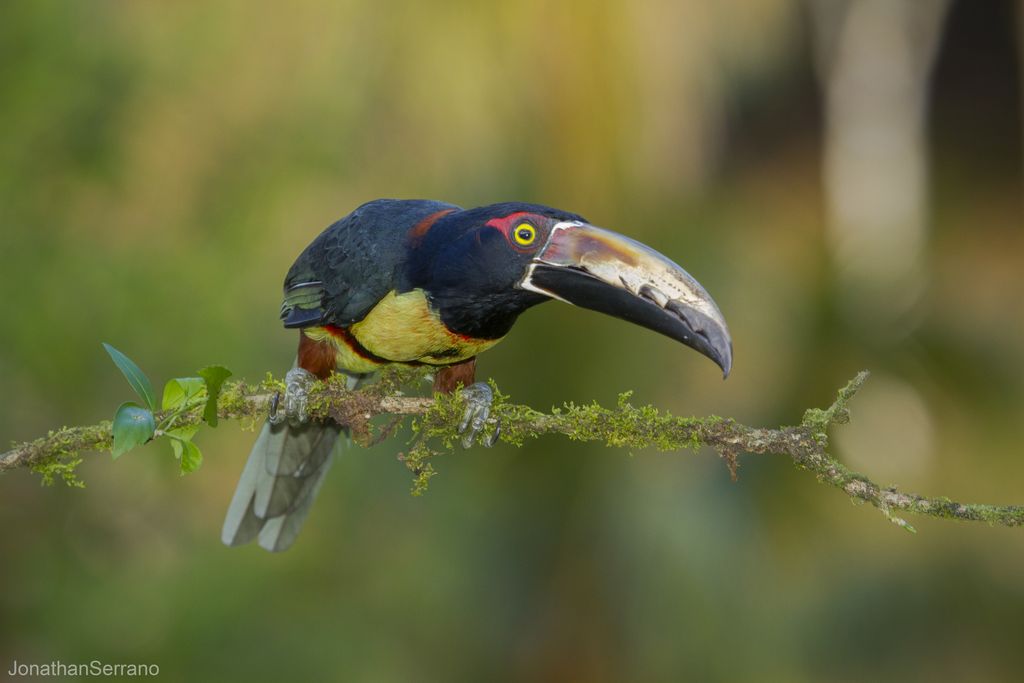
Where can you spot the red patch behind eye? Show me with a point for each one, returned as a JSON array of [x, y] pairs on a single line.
[[509, 222]]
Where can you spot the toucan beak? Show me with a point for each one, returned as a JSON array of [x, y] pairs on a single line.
[[607, 272]]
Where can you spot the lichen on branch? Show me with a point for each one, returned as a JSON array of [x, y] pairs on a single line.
[[435, 425]]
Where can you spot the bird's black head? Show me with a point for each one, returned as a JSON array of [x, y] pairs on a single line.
[[482, 267], [470, 262]]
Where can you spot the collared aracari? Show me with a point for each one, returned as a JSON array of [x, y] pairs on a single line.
[[422, 282]]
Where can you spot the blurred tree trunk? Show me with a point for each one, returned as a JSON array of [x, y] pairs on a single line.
[[874, 58], [1020, 67]]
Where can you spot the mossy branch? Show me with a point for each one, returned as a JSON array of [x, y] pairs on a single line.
[[435, 424]]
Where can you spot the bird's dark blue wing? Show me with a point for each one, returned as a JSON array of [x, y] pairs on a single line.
[[354, 263]]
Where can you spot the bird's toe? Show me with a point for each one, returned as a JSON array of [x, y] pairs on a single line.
[[479, 399], [296, 396]]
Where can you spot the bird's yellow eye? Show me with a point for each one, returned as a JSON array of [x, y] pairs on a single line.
[[524, 234]]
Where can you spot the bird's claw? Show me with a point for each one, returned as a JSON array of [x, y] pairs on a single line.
[[296, 398], [478, 398]]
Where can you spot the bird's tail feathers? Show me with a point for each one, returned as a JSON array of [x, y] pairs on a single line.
[[279, 483]]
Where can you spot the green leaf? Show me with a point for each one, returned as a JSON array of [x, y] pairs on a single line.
[[181, 390], [214, 375], [184, 433], [133, 425], [136, 377], [184, 450]]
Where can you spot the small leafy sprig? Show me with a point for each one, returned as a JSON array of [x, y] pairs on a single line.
[[136, 424]]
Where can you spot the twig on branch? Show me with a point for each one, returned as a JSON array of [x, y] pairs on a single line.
[[624, 426]]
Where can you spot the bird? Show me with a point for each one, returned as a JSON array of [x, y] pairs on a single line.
[[427, 283]]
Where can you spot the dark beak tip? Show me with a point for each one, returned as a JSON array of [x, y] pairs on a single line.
[[724, 361], [718, 347]]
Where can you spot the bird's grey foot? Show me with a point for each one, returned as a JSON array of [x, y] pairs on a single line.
[[296, 398], [479, 399]]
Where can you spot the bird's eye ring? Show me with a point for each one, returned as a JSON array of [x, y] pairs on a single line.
[[524, 234]]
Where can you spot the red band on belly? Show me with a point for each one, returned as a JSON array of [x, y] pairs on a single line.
[[346, 337]]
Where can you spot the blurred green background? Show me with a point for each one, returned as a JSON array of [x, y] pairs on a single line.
[[844, 177]]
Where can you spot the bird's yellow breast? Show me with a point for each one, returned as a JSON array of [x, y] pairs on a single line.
[[401, 328]]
